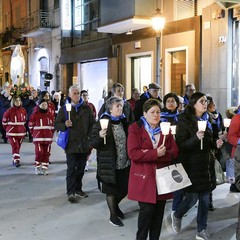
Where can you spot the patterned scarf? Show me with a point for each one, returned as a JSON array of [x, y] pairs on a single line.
[[168, 114], [150, 129], [77, 106]]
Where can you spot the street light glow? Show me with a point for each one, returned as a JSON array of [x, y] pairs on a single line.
[[158, 21]]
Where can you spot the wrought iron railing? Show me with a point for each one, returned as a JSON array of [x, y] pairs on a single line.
[[36, 20]]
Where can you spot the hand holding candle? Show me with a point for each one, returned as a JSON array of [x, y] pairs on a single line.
[[68, 108], [165, 127], [104, 125], [226, 123], [202, 127]]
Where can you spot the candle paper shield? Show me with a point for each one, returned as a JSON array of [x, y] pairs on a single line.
[[226, 122], [69, 108], [173, 129], [202, 127], [165, 127], [104, 125]]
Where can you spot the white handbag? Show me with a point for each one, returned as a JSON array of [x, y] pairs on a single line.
[[171, 178]]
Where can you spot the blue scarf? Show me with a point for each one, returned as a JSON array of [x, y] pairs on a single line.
[[237, 111], [167, 114], [78, 105], [112, 117], [150, 129], [205, 117]]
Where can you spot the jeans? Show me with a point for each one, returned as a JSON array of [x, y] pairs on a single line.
[[76, 163], [150, 220], [177, 199], [189, 201]]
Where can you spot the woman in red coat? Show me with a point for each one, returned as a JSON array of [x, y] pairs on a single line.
[[147, 153], [13, 123], [41, 127]]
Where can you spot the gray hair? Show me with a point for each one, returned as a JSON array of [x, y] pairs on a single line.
[[111, 101], [75, 86]]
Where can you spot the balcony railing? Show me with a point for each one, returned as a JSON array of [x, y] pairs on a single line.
[[37, 20]]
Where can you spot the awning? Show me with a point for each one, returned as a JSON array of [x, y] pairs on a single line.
[[86, 51]]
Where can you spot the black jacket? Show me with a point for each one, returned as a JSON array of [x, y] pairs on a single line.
[[80, 132], [195, 161], [106, 153]]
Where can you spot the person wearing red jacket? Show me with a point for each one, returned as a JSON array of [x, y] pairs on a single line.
[[41, 125], [13, 123], [147, 152]]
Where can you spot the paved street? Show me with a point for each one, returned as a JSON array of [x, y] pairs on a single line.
[[36, 208]]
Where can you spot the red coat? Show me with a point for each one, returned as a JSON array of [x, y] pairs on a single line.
[[41, 126], [234, 133], [13, 122], [144, 161]]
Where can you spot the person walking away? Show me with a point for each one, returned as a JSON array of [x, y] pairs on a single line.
[[42, 129], [13, 122], [79, 126], [147, 152]]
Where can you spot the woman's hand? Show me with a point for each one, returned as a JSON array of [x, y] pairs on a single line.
[[219, 143], [200, 135], [68, 123], [103, 133], [161, 151]]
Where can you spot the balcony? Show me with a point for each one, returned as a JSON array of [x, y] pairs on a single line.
[[11, 37], [37, 23]]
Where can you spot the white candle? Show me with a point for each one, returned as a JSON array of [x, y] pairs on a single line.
[[165, 127], [226, 122], [202, 127], [173, 129], [68, 108], [104, 125]]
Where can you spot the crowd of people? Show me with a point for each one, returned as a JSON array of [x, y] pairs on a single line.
[[129, 148]]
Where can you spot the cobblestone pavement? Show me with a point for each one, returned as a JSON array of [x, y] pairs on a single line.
[[36, 208]]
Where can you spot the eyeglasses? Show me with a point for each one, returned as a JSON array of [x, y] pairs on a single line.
[[203, 101]]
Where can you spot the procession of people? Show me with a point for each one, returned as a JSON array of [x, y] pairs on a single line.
[[129, 147]]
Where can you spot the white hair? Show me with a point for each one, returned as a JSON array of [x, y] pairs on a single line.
[[75, 86]]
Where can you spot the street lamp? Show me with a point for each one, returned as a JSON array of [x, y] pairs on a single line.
[[158, 22]]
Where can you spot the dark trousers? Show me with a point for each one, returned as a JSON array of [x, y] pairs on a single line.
[[150, 220], [3, 132], [76, 163]]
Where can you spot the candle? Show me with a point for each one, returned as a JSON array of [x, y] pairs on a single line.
[[104, 125], [68, 108], [173, 130], [226, 123], [165, 127], [202, 127]]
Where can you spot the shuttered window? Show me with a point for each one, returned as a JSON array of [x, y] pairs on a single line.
[[185, 9]]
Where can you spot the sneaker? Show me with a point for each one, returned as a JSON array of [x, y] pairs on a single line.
[[120, 213], [16, 163], [115, 221], [203, 235], [38, 171], [81, 194], [45, 171], [176, 223], [72, 198]]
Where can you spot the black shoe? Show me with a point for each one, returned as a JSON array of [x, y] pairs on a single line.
[[210, 207], [120, 213], [81, 194], [233, 188], [72, 198], [115, 221]]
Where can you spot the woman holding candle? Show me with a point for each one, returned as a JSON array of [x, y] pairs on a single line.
[[147, 152], [195, 161], [113, 163], [41, 127], [13, 122]]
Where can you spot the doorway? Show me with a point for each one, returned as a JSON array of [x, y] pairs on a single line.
[[176, 70]]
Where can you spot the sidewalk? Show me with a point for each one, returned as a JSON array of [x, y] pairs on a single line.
[[36, 208]]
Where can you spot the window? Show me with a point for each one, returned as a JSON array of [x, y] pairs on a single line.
[[85, 15], [185, 9]]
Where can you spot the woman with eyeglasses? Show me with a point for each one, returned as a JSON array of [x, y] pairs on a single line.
[[196, 161]]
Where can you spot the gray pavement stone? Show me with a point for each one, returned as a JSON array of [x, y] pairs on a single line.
[[36, 208]]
